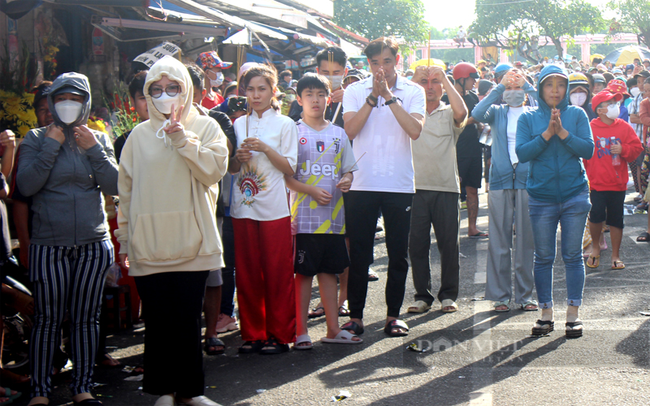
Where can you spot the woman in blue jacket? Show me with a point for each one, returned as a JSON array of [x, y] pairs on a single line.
[[508, 199], [554, 139]]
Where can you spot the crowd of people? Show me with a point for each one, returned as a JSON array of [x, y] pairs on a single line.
[[219, 193]]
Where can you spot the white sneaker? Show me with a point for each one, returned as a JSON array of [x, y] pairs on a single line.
[[200, 401], [165, 400], [226, 323]]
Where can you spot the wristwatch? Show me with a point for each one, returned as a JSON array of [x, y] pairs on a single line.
[[371, 100], [391, 101]]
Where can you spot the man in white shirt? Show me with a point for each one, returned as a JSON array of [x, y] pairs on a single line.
[[382, 114]]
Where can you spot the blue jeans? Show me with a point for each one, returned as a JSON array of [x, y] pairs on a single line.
[[572, 216]]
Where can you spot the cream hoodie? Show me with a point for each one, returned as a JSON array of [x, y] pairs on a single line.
[[168, 190]]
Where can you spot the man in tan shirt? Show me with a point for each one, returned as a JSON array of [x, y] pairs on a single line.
[[437, 191]]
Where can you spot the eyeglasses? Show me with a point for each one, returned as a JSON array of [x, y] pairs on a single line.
[[156, 92]]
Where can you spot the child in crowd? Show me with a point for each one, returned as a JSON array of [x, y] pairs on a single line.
[[325, 165], [267, 148], [616, 145]]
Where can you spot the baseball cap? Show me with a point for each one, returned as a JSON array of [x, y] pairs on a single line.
[[354, 73], [211, 59], [604, 96], [71, 90], [484, 86], [643, 73], [40, 92]]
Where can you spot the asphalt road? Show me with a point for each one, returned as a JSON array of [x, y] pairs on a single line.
[[475, 356]]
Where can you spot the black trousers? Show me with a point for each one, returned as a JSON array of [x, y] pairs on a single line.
[[440, 209], [173, 358], [361, 219]]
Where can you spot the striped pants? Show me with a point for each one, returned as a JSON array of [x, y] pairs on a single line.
[[67, 279]]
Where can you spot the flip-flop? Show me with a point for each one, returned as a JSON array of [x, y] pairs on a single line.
[[644, 237], [449, 306], [344, 311], [479, 235], [316, 312], [9, 396], [419, 307], [396, 324], [211, 342], [303, 339], [616, 266], [505, 303], [530, 306], [344, 337], [595, 261], [354, 327]]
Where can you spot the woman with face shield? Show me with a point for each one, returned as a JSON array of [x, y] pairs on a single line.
[[66, 168], [508, 198], [169, 172]]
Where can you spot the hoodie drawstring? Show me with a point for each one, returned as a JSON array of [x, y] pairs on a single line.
[[164, 136]]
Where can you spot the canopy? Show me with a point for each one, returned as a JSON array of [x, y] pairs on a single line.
[[626, 55], [430, 62]]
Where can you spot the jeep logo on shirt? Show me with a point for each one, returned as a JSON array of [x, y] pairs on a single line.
[[318, 170]]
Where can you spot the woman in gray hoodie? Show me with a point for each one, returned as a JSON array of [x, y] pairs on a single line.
[[65, 167]]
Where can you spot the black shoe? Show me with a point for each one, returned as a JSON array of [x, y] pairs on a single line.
[[546, 326], [574, 329]]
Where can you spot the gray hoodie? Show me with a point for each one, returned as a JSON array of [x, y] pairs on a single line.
[[65, 181]]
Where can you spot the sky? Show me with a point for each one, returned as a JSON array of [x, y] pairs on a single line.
[[451, 14]]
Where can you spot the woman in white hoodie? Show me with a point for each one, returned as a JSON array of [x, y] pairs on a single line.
[[169, 169]]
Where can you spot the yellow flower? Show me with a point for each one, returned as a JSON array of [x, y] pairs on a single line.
[[97, 125], [23, 130]]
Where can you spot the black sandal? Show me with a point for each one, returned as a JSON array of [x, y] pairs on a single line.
[[396, 324], [644, 237], [271, 346], [211, 342], [546, 327], [250, 347], [353, 327], [574, 329]]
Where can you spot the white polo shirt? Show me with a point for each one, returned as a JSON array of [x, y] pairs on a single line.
[[387, 165]]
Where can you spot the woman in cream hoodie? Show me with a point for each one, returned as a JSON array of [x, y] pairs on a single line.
[[169, 169]]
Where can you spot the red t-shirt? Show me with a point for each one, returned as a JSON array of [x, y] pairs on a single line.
[[603, 176], [210, 103]]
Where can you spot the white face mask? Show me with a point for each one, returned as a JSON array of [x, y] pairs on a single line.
[[68, 111], [514, 98], [578, 99], [635, 91], [218, 82], [337, 81], [164, 103], [613, 111]]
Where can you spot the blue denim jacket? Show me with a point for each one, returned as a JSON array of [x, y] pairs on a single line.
[[502, 174]]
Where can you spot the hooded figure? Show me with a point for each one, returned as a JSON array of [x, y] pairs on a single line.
[[168, 184], [168, 227], [554, 141], [66, 168], [65, 181], [556, 172]]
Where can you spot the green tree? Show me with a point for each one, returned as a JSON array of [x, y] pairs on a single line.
[[379, 18], [635, 17], [512, 24]]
